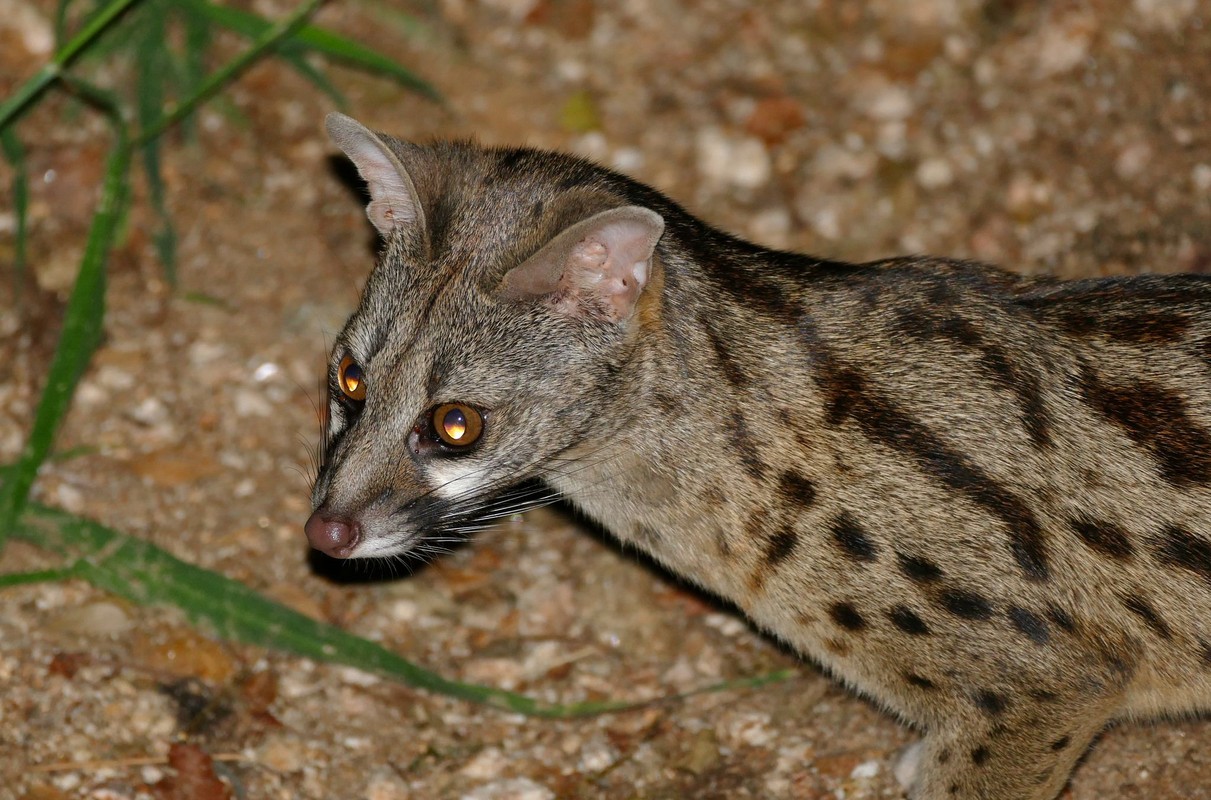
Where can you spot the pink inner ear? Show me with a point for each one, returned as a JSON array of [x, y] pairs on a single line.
[[609, 267], [595, 268]]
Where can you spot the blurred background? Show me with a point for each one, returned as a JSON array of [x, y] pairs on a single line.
[[1070, 137]]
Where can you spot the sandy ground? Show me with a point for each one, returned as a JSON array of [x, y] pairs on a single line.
[[1063, 137]]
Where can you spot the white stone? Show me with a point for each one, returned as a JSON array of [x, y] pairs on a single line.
[[384, 785], [770, 227], [1200, 176], [934, 173], [70, 497], [1133, 159], [517, 9], [751, 728], [251, 404], [1168, 14], [115, 379], [206, 352], [888, 102], [597, 755], [151, 411], [102, 618], [740, 161], [514, 789]]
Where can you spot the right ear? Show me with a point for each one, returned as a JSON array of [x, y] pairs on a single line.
[[394, 202]]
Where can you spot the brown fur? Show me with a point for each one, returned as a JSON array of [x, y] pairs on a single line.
[[983, 501]]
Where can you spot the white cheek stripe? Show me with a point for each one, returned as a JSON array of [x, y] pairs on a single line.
[[455, 479]]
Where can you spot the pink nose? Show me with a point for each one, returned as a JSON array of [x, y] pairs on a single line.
[[332, 535]]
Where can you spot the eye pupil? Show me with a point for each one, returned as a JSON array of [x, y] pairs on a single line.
[[455, 424], [350, 379]]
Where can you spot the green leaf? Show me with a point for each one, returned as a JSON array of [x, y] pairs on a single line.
[[14, 154], [80, 336], [318, 79], [32, 88], [153, 69], [321, 40], [143, 573], [579, 114]]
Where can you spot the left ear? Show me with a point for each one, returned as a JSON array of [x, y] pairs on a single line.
[[595, 268]]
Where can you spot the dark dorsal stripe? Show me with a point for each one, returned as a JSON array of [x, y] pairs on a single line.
[[847, 396]]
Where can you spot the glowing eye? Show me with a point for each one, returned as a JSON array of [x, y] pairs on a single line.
[[349, 378], [457, 424]]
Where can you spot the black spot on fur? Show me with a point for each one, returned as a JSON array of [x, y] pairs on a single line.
[[843, 391], [781, 545], [1061, 618], [1151, 327], [979, 756], [994, 360], [796, 489], [847, 396], [965, 604], [1144, 610], [1103, 537], [990, 702], [717, 253], [1031, 625], [907, 620], [919, 682], [918, 568], [1204, 652], [1043, 696], [1179, 547], [1026, 386], [1156, 327], [1060, 743], [1156, 419], [845, 615], [745, 448], [852, 539], [733, 372], [667, 403]]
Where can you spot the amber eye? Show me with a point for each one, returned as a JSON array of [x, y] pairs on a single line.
[[349, 378], [456, 424]]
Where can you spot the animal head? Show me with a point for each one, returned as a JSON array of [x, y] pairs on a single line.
[[489, 338]]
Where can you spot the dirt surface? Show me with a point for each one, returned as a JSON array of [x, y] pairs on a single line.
[[1063, 137]]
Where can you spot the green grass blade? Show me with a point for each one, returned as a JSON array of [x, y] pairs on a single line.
[[336, 46], [298, 60], [14, 154], [142, 573], [11, 579], [61, 22], [78, 339], [322, 41], [269, 38], [33, 87], [193, 62], [154, 67]]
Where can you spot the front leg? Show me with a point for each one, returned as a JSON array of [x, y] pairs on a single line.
[[1027, 755]]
